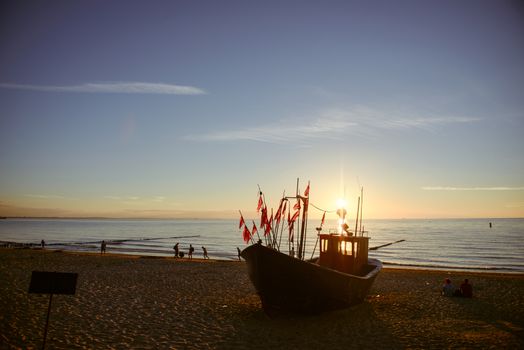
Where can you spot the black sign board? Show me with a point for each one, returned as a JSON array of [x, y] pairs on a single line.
[[53, 282]]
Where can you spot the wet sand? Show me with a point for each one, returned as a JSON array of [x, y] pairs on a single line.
[[159, 303]]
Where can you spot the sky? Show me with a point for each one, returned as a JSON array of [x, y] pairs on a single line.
[[181, 109]]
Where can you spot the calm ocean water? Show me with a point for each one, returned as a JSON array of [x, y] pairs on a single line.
[[465, 244]]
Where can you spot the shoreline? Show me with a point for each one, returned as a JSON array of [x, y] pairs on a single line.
[[386, 265], [150, 303]]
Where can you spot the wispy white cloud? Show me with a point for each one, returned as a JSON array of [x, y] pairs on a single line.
[[114, 87], [515, 205], [423, 123], [447, 188], [131, 199], [280, 132], [332, 124], [43, 196]]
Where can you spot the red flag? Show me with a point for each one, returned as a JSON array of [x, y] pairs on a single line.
[[268, 226], [291, 232], [263, 218], [242, 222], [295, 216], [306, 192], [246, 234], [254, 230], [297, 205], [284, 208], [260, 202], [323, 217], [277, 215], [279, 212]]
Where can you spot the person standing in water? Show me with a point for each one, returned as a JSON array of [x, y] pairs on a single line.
[[190, 253], [103, 247]]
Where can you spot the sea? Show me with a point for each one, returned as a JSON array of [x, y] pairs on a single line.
[[445, 244]]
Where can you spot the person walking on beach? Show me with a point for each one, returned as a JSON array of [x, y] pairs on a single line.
[[447, 288], [175, 248], [205, 252], [238, 251], [103, 247], [190, 253], [42, 243]]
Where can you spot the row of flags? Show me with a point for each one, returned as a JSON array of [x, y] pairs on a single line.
[[267, 224]]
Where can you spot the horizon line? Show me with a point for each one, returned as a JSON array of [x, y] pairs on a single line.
[[225, 218]]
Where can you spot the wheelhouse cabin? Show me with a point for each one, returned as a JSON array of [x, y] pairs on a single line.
[[344, 253]]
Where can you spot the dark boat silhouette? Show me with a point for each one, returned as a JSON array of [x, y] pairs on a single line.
[[332, 281], [339, 277]]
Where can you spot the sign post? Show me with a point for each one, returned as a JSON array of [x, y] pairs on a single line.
[[43, 282]]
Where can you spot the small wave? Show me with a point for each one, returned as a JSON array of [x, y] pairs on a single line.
[[458, 268]]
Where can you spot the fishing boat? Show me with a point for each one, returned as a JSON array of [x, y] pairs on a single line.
[[340, 276]]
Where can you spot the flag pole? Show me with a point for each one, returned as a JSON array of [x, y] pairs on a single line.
[[304, 221], [299, 247], [356, 221], [261, 194], [361, 207], [282, 215]]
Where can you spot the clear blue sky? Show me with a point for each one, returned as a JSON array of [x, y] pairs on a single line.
[[180, 108]]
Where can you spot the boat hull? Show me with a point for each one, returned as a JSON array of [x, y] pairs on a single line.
[[287, 284]]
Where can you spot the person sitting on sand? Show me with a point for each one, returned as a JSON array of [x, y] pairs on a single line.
[[190, 253], [175, 248], [103, 247], [205, 252], [238, 251], [447, 288], [466, 289]]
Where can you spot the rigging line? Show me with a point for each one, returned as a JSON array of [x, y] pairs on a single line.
[[327, 211]]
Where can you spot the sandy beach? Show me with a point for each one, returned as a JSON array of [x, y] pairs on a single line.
[[124, 302]]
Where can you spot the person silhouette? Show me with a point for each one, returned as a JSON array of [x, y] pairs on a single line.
[[238, 251], [447, 288], [205, 252], [175, 248], [466, 289], [190, 253]]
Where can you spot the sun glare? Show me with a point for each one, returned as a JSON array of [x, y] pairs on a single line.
[[341, 203]]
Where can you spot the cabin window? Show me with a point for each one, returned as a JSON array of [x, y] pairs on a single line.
[[323, 245], [345, 248]]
